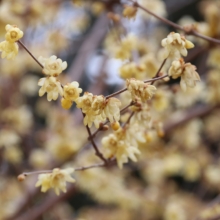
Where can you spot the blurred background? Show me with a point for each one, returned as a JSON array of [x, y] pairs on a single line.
[[177, 176]]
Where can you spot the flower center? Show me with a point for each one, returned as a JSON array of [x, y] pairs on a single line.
[[13, 34]]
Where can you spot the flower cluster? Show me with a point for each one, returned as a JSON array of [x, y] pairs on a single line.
[[176, 45], [56, 180], [140, 90], [97, 108], [186, 71], [52, 67], [9, 47], [119, 145]]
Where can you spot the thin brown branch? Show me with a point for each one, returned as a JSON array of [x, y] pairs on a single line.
[[129, 119], [186, 31], [89, 167], [97, 152], [112, 162], [28, 51], [158, 72]]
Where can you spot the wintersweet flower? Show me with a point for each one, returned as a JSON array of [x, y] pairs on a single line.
[[176, 45], [51, 86], [97, 108], [52, 65], [85, 102], [139, 89], [13, 33], [56, 180], [112, 110], [186, 71], [117, 145], [189, 77], [71, 91], [9, 50]]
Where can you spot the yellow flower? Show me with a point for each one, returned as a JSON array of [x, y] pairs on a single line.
[[139, 89], [59, 179], [176, 45], [52, 86], [85, 102], [66, 103], [56, 180], [9, 50], [13, 33], [52, 65], [129, 11], [119, 146], [112, 110], [44, 182], [186, 71], [189, 77], [71, 91]]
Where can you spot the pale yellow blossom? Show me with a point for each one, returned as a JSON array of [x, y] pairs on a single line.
[[139, 89], [112, 110], [186, 71], [176, 45], [9, 50], [71, 91], [56, 180], [13, 33], [51, 86], [116, 145], [129, 11], [52, 65]]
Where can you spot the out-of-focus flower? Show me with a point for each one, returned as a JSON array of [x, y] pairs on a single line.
[[8, 138], [56, 180], [52, 65], [51, 86], [129, 11], [13, 154], [9, 50], [39, 158], [139, 89], [157, 6], [121, 48], [176, 45], [174, 211]]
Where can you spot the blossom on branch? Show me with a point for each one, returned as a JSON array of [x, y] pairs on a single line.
[[9, 50], [139, 89], [118, 145], [176, 45], [97, 108], [52, 65], [56, 180], [186, 71], [71, 91], [51, 86], [9, 47], [13, 33]]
